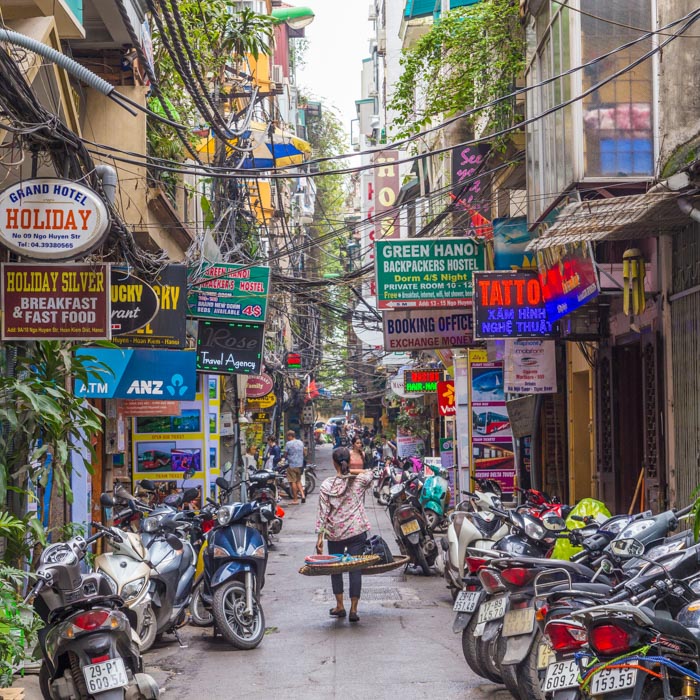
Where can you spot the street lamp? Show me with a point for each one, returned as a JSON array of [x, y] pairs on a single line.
[[294, 17]]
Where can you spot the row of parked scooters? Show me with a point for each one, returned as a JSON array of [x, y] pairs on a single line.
[[165, 561], [564, 603]]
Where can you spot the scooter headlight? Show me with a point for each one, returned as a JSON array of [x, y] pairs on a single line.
[[112, 583], [132, 589], [151, 524], [223, 515]]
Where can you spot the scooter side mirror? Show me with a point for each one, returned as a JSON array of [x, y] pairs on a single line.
[[106, 500], [147, 485], [175, 542], [222, 483], [190, 495]]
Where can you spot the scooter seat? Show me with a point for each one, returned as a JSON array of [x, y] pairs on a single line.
[[594, 590], [674, 629], [570, 566]]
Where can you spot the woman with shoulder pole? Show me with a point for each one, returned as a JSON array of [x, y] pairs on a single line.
[[342, 521]]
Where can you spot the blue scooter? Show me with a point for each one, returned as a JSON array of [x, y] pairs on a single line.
[[235, 559], [435, 496]]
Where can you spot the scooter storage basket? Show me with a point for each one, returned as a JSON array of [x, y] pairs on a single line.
[[399, 560], [359, 562]]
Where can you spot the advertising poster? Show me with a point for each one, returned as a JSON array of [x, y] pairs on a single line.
[[462, 412], [568, 277], [492, 451], [409, 446], [530, 367], [510, 239], [184, 448], [447, 459]]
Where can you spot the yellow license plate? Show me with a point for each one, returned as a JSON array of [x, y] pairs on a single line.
[[545, 656], [410, 527], [518, 622]]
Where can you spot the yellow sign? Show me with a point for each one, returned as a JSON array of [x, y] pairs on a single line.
[[262, 402]]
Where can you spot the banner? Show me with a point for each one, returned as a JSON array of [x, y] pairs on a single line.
[[530, 367], [417, 329]]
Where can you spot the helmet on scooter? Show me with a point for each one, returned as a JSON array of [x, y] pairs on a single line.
[[689, 616]]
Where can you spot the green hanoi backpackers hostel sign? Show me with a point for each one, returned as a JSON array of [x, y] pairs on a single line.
[[426, 272]]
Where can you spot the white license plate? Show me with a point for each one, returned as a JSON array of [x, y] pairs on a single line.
[[518, 622], [492, 610], [613, 679], [561, 675], [466, 601], [410, 527], [105, 676]]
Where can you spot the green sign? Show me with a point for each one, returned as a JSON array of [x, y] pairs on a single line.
[[229, 292], [426, 272]]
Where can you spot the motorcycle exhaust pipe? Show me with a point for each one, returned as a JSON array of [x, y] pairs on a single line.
[[249, 592]]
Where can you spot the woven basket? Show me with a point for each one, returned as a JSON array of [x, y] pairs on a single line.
[[399, 560], [359, 562]]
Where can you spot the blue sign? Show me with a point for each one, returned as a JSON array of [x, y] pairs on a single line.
[[139, 374], [347, 406]]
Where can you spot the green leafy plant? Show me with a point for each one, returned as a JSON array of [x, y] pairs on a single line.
[[471, 56]]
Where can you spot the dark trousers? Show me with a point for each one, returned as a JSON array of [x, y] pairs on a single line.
[[355, 545]]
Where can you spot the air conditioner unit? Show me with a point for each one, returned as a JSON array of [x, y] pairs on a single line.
[[372, 14], [276, 74], [381, 42]]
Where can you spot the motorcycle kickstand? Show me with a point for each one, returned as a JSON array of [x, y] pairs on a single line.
[[176, 633]]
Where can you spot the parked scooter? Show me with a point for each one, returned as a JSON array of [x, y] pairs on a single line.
[[435, 497], [262, 486], [88, 646]]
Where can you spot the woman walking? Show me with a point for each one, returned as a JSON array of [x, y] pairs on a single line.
[[342, 521], [358, 458]]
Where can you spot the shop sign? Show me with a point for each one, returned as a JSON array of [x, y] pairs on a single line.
[[263, 402], [421, 381], [229, 348], [229, 292], [144, 407], [530, 367], [510, 305], [259, 385], [261, 416], [417, 329], [167, 329], [446, 398], [386, 192], [134, 303], [50, 218], [161, 375], [55, 302], [426, 273], [568, 278]]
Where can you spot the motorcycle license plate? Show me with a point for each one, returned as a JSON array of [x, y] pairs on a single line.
[[466, 601], [561, 675], [518, 622], [105, 676], [492, 610], [410, 527], [545, 656], [613, 679]]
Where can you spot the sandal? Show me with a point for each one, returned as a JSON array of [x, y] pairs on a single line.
[[354, 617], [333, 612]]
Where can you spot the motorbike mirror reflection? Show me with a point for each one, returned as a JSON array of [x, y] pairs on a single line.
[[175, 542], [607, 566], [221, 482], [627, 548], [554, 523], [106, 500]]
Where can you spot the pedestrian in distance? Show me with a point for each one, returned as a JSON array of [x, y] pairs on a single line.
[[273, 454], [358, 458], [294, 452], [342, 521]]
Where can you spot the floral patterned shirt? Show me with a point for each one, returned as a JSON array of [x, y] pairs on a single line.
[[341, 511]]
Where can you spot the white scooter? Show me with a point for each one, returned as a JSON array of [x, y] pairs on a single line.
[[471, 525]]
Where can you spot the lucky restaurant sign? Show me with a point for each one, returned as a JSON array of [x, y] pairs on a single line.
[[50, 218]]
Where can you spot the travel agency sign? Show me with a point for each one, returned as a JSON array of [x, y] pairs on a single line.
[[50, 218], [427, 272]]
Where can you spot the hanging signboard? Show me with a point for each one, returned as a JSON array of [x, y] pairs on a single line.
[[229, 348], [263, 402], [259, 385], [509, 305], [50, 218], [568, 277], [418, 329], [421, 381], [386, 191], [521, 413], [162, 375], [167, 329], [446, 398], [133, 302], [55, 302], [426, 272], [530, 367], [510, 240], [229, 292]]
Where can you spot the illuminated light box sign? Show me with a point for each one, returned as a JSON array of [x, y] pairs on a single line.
[[421, 381], [293, 360], [229, 348], [510, 305], [426, 273]]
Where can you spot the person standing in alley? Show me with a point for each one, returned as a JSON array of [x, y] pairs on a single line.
[[342, 521], [294, 452], [272, 454]]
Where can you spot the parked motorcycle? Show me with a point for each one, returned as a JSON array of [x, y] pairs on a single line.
[[88, 646], [435, 497], [262, 486]]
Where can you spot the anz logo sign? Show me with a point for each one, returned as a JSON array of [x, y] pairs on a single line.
[[154, 387]]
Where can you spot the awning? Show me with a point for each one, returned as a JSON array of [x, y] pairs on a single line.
[[270, 148], [654, 213]]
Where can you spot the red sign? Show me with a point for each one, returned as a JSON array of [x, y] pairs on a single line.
[[446, 398], [259, 385], [55, 302], [136, 407]]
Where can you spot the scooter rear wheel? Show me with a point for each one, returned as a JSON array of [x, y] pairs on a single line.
[[309, 483], [243, 632], [199, 615], [149, 629], [432, 519]]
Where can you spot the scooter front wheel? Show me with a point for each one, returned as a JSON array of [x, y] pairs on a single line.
[[432, 519], [149, 629], [242, 630]]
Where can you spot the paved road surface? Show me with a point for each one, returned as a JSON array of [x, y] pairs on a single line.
[[402, 647]]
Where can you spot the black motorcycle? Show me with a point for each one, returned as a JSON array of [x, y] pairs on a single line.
[[88, 646]]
